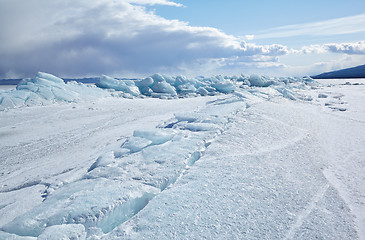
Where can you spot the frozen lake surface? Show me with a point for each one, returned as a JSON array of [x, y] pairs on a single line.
[[7, 87], [254, 163]]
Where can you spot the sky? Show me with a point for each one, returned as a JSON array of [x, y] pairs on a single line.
[[136, 38]]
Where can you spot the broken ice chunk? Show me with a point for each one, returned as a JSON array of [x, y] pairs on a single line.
[[136, 144], [157, 136], [103, 161], [188, 117], [197, 127], [101, 203]]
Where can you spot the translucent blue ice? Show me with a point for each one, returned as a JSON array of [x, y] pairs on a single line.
[[46, 88], [118, 85]]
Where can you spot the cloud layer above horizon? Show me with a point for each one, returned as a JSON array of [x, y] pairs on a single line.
[[83, 38]]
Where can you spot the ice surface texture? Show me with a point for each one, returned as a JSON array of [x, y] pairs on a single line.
[[122, 182], [69, 231], [92, 202], [260, 179], [219, 172]]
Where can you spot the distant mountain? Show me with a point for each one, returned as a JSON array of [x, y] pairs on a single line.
[[354, 72]]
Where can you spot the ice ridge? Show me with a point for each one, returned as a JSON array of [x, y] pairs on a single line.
[[46, 89]]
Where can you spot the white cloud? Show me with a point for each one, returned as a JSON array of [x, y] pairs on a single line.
[[345, 25], [156, 2], [271, 50], [234, 66], [313, 49], [348, 48], [355, 48], [81, 37], [249, 37], [323, 65]]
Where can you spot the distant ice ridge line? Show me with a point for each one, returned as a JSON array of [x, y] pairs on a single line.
[[122, 182], [46, 89], [165, 86]]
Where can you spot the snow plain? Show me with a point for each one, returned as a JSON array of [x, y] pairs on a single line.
[[270, 161]]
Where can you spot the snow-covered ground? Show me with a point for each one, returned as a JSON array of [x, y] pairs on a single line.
[[284, 161]]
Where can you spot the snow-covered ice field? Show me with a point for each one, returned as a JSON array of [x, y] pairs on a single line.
[[176, 158]]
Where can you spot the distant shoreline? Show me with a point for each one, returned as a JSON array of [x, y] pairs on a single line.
[[316, 77], [350, 73], [18, 80], [14, 82]]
